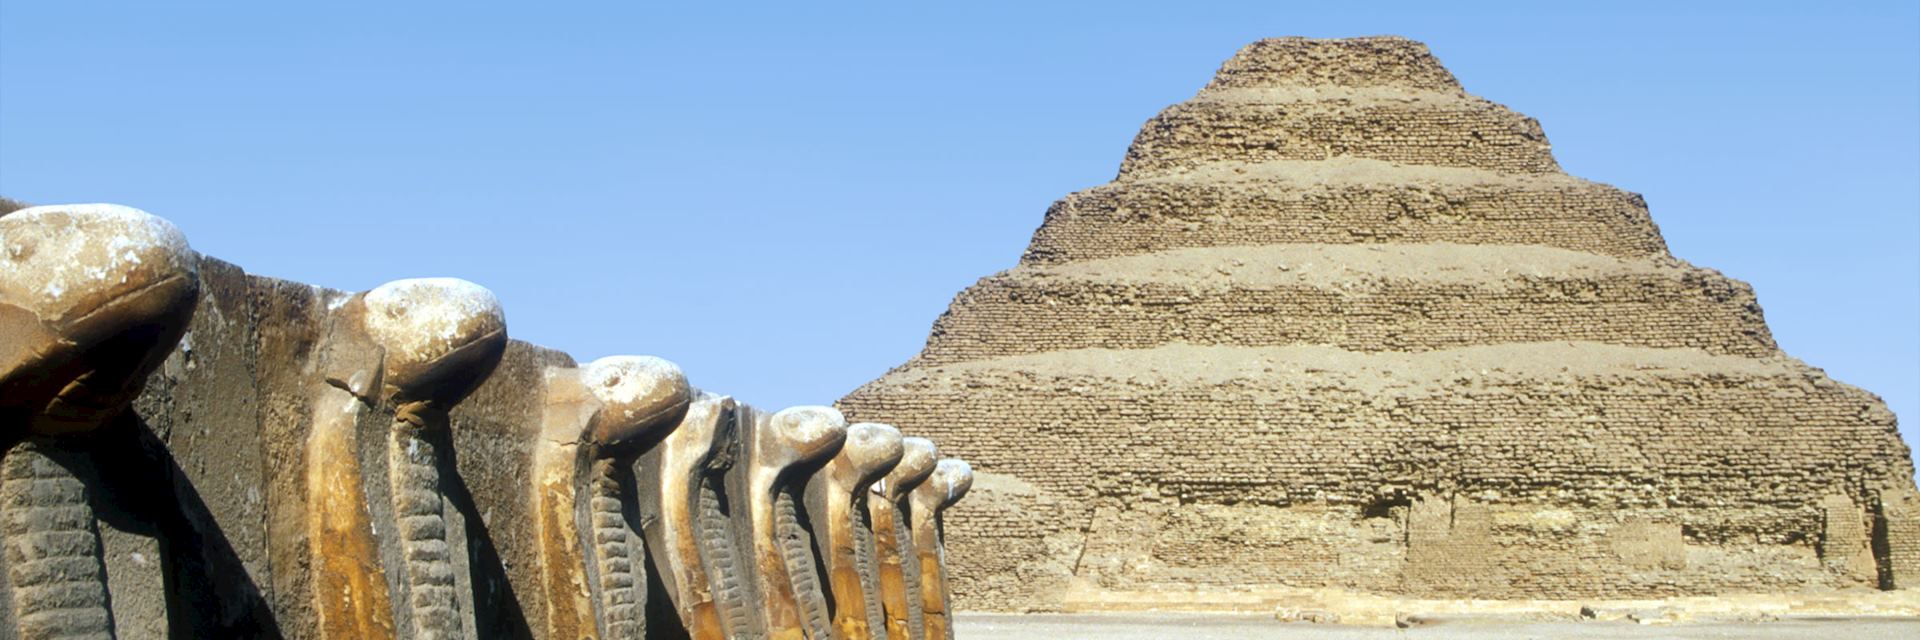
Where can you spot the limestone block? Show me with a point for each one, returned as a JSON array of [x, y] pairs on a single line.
[[1645, 543], [1898, 533], [1845, 545]]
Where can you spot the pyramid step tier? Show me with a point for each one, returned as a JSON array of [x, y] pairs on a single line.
[[1452, 133], [1382, 61], [1341, 201], [1356, 297], [1578, 423]]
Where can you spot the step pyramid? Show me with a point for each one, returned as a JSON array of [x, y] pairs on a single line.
[[1339, 324]]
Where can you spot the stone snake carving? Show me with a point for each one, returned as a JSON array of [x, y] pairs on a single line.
[[422, 346], [755, 524], [886, 507], [951, 480], [728, 567], [837, 496], [92, 299], [679, 507], [781, 450], [594, 418]]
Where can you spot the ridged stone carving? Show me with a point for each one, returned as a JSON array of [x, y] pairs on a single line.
[[92, 299], [420, 347]]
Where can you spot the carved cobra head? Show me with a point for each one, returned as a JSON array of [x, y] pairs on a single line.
[[951, 480], [872, 449], [637, 394], [797, 435], [706, 431], [442, 337], [92, 299], [916, 463]]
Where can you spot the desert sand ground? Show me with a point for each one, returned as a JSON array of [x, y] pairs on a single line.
[[1191, 626]]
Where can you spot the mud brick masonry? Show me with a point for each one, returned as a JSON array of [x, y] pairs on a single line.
[[1339, 323]]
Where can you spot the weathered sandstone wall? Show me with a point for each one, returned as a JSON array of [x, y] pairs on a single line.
[[222, 429], [189, 451]]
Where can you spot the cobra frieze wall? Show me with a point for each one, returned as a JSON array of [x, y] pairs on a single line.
[[1339, 324], [189, 451]]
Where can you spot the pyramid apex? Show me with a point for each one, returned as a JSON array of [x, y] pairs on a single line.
[[1370, 61]]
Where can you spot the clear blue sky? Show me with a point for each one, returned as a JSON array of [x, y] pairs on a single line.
[[783, 198]]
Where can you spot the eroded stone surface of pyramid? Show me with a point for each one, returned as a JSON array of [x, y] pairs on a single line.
[[1338, 323]]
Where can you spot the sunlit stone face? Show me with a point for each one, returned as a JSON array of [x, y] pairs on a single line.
[[637, 394], [813, 432], [872, 448], [92, 298], [63, 262], [704, 419], [916, 463], [951, 480], [431, 329]]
